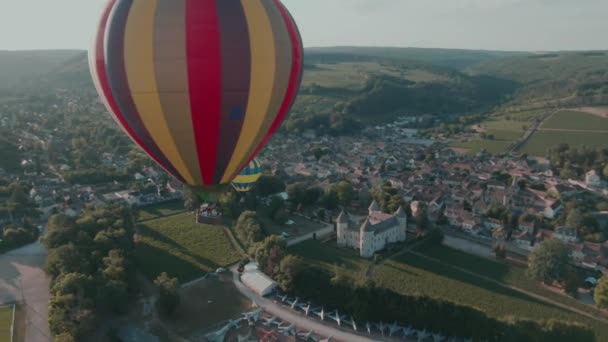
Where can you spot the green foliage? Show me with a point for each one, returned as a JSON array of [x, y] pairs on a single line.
[[249, 229], [229, 202], [269, 185], [168, 299], [345, 193], [600, 295], [182, 248], [548, 263], [269, 253], [296, 193], [155, 211], [571, 281], [191, 200], [91, 268], [330, 199], [289, 269]]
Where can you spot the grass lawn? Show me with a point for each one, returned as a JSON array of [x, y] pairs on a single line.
[[576, 120], [6, 320], [344, 75], [182, 248], [540, 143], [326, 255], [161, 210]]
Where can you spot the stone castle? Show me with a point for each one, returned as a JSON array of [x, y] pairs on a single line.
[[375, 233]]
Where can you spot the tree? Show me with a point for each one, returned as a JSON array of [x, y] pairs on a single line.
[[605, 171], [296, 193], [549, 261], [571, 282], [269, 185], [269, 254], [248, 228], [168, 299], [230, 204], [66, 259], [345, 193], [330, 200], [191, 200], [289, 269], [600, 295], [575, 218], [312, 195], [500, 251]]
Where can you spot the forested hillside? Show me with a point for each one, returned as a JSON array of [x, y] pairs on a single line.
[[562, 79], [19, 66]]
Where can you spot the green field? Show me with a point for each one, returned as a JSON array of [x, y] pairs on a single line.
[[6, 320], [342, 75], [540, 143], [509, 274], [577, 121], [412, 274], [326, 256], [161, 210], [505, 132], [492, 146], [182, 248]]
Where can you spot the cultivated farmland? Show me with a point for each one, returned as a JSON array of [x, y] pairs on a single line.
[[182, 248], [570, 120], [412, 274], [540, 143]]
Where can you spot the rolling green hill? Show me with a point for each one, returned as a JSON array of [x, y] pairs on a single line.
[[19, 66], [553, 79]]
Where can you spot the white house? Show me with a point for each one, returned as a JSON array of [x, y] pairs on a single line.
[[592, 179], [377, 231]]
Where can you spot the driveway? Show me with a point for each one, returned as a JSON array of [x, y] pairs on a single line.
[[22, 280], [301, 321]]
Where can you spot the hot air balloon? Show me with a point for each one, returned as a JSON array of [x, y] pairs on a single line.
[[199, 85], [248, 177]]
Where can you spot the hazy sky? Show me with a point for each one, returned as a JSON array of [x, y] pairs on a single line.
[[471, 24]]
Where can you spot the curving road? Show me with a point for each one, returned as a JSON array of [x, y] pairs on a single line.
[[301, 321]]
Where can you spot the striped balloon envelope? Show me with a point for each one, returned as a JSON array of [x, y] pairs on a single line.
[[199, 85], [248, 177]]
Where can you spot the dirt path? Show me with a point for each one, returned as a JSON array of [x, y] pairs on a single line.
[[514, 288]]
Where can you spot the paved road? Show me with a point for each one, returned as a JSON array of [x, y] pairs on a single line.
[[23, 280], [301, 321]]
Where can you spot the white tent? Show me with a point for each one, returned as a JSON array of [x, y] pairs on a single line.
[[257, 281]]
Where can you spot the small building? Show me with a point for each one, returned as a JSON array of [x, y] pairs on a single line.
[[257, 281]]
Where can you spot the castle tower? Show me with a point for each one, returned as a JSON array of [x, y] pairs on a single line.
[[402, 218], [366, 239], [342, 228]]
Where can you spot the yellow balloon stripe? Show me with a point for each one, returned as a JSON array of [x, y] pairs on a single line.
[[139, 65]]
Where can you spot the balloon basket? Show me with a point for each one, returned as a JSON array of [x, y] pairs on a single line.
[[210, 212]]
